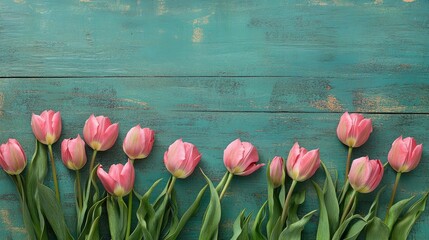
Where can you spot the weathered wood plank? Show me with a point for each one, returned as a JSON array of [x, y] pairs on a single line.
[[293, 38], [272, 132], [155, 95]]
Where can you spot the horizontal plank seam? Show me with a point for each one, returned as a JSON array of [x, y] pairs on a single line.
[[301, 112], [162, 76]]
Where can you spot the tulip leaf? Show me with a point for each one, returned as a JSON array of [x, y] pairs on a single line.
[[355, 229], [36, 172], [404, 225], [211, 219], [374, 206], [90, 229], [274, 206], [331, 201], [117, 215], [256, 233], [395, 211], [293, 231], [186, 216], [160, 207], [241, 227], [377, 229], [341, 229], [52, 210], [296, 200], [323, 228], [222, 182], [145, 215]]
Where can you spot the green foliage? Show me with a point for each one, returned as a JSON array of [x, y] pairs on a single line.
[[211, 219]]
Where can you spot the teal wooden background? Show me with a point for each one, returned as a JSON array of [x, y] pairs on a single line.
[[268, 72]]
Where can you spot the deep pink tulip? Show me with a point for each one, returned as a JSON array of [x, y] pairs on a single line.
[[138, 142], [181, 158], [353, 129], [99, 133], [12, 157], [120, 179], [46, 126], [405, 154], [365, 174], [73, 153], [277, 173], [302, 164], [240, 158]]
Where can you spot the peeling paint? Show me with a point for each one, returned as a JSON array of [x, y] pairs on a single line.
[[366, 103], [19, 1], [197, 35], [145, 104], [5, 216], [331, 104], [162, 8], [408, 1], [378, 2]]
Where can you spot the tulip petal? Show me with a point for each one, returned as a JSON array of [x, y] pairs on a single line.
[[233, 154], [253, 167], [108, 182], [363, 130]]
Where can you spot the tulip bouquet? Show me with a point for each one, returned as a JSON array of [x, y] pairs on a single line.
[[278, 217]]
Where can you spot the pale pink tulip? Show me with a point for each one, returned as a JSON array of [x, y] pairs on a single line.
[[302, 164], [240, 158], [99, 133], [46, 126], [138, 142], [405, 154], [353, 129], [365, 174], [73, 153], [181, 158], [120, 179], [12, 157], [277, 173]]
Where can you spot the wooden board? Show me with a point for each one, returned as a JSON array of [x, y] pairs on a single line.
[[268, 72]]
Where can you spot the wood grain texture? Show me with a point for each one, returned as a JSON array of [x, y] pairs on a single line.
[[268, 72], [292, 38]]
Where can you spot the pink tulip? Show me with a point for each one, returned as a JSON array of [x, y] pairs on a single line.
[[73, 153], [138, 142], [120, 179], [365, 174], [405, 154], [353, 129], [99, 133], [240, 158], [46, 126], [12, 157], [181, 158], [277, 173], [302, 164]]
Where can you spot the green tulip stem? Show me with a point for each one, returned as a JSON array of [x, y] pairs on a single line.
[[349, 205], [392, 198], [20, 187], [170, 188], [130, 209], [228, 181], [91, 166], [349, 156], [54, 173], [287, 202], [79, 190]]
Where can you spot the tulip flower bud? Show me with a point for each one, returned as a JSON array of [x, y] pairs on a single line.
[[12, 157], [365, 174], [46, 126], [353, 129], [240, 158], [99, 133], [181, 158], [138, 142], [277, 173], [302, 164], [405, 154], [73, 153], [119, 181]]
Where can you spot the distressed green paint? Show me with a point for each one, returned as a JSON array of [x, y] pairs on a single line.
[[268, 72], [276, 37]]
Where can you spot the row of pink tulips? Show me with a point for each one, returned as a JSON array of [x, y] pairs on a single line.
[[181, 158]]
